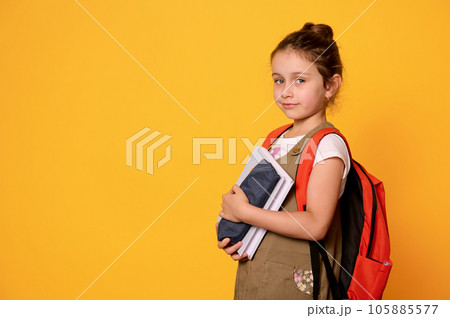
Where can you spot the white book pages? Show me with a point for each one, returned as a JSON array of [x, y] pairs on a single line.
[[253, 241], [272, 198]]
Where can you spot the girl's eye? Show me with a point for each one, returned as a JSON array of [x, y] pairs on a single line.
[[300, 80]]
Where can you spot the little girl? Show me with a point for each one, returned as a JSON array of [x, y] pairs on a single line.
[[307, 74]]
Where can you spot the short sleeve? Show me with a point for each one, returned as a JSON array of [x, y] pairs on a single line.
[[332, 145]]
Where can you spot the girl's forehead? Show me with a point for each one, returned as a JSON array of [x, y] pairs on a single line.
[[285, 63]]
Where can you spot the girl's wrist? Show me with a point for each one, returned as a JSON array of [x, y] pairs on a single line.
[[248, 213]]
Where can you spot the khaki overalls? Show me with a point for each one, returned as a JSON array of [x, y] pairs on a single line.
[[281, 267]]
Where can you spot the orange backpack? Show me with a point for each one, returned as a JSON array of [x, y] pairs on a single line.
[[365, 262]]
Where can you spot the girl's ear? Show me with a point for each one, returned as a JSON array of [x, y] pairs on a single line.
[[333, 85]]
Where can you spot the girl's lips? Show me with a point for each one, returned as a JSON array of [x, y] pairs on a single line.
[[288, 106]]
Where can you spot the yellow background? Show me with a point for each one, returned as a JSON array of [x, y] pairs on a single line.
[[70, 96]]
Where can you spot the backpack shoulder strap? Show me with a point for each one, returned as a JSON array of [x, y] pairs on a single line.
[[274, 134], [317, 248]]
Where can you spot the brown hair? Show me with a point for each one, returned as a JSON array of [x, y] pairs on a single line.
[[315, 41]]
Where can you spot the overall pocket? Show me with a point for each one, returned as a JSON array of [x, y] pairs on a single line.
[[278, 282]]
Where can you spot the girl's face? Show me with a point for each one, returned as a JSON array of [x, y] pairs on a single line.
[[305, 98]]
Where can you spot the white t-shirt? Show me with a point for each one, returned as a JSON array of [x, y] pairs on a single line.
[[331, 145]]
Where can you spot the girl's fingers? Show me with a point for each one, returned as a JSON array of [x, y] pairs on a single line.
[[244, 257], [238, 257], [235, 257], [223, 243], [232, 249]]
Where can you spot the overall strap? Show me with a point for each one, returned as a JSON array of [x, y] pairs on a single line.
[[298, 149]]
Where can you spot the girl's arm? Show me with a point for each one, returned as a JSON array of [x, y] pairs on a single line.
[[312, 224]]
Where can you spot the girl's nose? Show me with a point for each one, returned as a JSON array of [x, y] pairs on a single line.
[[288, 91]]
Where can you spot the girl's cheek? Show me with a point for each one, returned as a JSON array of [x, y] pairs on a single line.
[[277, 98], [276, 92]]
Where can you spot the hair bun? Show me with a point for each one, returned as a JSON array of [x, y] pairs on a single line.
[[322, 30]]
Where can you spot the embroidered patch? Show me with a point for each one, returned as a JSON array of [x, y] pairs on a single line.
[[304, 280], [275, 151]]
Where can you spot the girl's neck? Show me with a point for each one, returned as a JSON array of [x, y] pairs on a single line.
[[303, 126]]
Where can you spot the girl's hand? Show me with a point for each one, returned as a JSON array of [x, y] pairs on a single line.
[[231, 250], [234, 204]]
